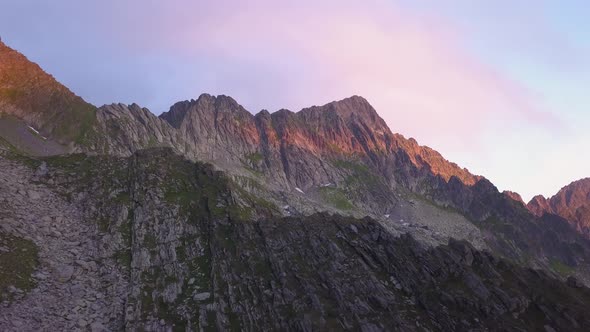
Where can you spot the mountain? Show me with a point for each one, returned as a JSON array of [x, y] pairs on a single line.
[[322, 151], [211, 217], [219, 129], [30, 94], [572, 202], [342, 158], [515, 196], [157, 242]]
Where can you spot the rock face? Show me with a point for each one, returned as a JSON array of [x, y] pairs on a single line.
[[296, 149], [515, 196], [53, 255], [156, 242], [30, 94], [539, 206], [341, 154], [572, 202], [130, 128]]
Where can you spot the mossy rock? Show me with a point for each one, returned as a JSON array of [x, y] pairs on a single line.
[[18, 260]]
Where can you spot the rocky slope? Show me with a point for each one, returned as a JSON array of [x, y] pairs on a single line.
[[572, 202], [69, 282], [30, 94], [155, 242]]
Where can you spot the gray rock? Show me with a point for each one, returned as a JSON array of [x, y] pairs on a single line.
[[64, 273], [97, 327], [82, 323], [33, 195], [42, 170]]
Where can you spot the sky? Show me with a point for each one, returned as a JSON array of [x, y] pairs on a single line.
[[497, 86]]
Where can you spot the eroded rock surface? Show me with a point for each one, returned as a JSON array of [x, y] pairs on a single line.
[[75, 285], [572, 202], [156, 242]]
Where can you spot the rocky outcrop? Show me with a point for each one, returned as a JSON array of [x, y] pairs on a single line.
[[127, 129], [55, 274], [514, 196], [572, 202], [539, 206], [30, 94]]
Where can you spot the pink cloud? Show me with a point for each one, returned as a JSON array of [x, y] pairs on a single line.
[[414, 70]]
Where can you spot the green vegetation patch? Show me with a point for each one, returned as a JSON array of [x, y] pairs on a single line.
[[336, 197], [76, 120], [124, 257], [361, 174], [18, 260], [12, 153], [351, 165], [255, 157], [561, 268]]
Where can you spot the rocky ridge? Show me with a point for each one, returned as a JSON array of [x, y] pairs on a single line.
[[340, 157], [155, 242], [572, 202], [29, 93]]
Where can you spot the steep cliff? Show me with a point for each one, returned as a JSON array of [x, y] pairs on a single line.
[[30, 94], [572, 202]]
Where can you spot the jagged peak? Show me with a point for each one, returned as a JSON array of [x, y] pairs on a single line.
[[514, 196], [204, 103], [581, 183], [119, 106], [38, 99], [539, 205], [349, 109], [538, 198]]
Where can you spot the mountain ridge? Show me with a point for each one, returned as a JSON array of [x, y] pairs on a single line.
[[209, 216], [31, 94], [572, 202], [342, 155]]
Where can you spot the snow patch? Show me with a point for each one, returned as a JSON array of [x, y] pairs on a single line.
[[37, 132]]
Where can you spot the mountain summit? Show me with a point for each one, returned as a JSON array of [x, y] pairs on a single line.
[[30, 94], [572, 202]]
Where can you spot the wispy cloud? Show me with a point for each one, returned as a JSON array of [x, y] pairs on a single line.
[[414, 69]]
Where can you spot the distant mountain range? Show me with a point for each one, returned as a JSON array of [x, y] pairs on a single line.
[[123, 166]]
